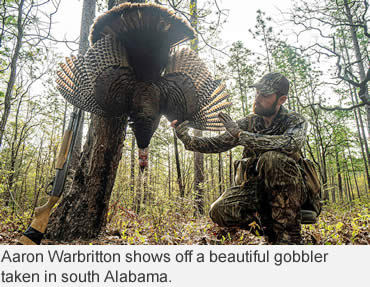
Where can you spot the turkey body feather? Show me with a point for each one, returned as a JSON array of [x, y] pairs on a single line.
[[130, 70]]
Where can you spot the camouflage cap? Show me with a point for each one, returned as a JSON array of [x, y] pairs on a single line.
[[273, 83]]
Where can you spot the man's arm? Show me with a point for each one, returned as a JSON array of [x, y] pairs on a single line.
[[216, 144], [291, 141]]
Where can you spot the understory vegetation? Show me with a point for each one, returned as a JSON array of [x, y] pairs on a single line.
[[340, 223]]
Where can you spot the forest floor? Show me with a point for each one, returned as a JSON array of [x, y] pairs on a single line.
[[344, 223]]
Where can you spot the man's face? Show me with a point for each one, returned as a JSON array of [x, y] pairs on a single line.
[[265, 105]]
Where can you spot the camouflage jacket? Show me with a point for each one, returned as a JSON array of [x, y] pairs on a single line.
[[286, 134]]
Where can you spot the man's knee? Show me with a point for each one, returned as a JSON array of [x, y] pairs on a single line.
[[271, 160], [278, 169], [215, 214], [221, 213], [235, 206]]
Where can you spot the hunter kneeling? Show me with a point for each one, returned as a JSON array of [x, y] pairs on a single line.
[[269, 187]]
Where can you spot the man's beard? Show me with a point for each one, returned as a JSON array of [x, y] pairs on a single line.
[[265, 112]]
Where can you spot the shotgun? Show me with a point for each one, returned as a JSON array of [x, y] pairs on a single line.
[[35, 232]]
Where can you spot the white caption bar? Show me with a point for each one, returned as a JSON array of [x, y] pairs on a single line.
[[177, 266]]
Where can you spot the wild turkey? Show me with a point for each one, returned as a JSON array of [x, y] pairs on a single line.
[[129, 69]]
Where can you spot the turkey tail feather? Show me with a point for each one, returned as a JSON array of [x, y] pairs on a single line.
[[208, 115], [206, 98], [139, 17], [79, 77], [75, 86]]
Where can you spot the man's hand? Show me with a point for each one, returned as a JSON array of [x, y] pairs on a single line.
[[182, 131], [231, 126]]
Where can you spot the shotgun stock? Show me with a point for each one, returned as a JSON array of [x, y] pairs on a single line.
[[35, 232]]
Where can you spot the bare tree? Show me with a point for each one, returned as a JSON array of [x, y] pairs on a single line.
[[333, 20], [29, 32]]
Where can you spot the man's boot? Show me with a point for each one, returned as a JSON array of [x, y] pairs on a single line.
[[287, 228], [291, 237]]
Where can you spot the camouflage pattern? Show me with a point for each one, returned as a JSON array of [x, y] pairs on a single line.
[[271, 189], [286, 134], [273, 83]]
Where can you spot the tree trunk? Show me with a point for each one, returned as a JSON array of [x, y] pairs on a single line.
[[147, 196], [13, 73], [178, 168], [212, 172], [349, 183], [132, 165], [13, 156], [231, 174], [87, 19], [340, 187], [353, 169], [82, 211], [198, 157], [367, 187], [347, 187], [220, 174], [139, 192], [332, 186], [356, 46], [242, 94], [169, 170], [199, 177], [362, 138], [323, 165]]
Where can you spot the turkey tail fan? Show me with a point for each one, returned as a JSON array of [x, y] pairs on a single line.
[[147, 31], [88, 82], [192, 93], [126, 18]]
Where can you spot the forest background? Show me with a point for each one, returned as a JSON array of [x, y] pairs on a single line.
[[321, 46]]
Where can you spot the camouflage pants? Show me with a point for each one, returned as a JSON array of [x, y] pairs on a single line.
[[271, 195]]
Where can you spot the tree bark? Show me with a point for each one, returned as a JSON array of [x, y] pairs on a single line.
[[199, 177], [82, 211]]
